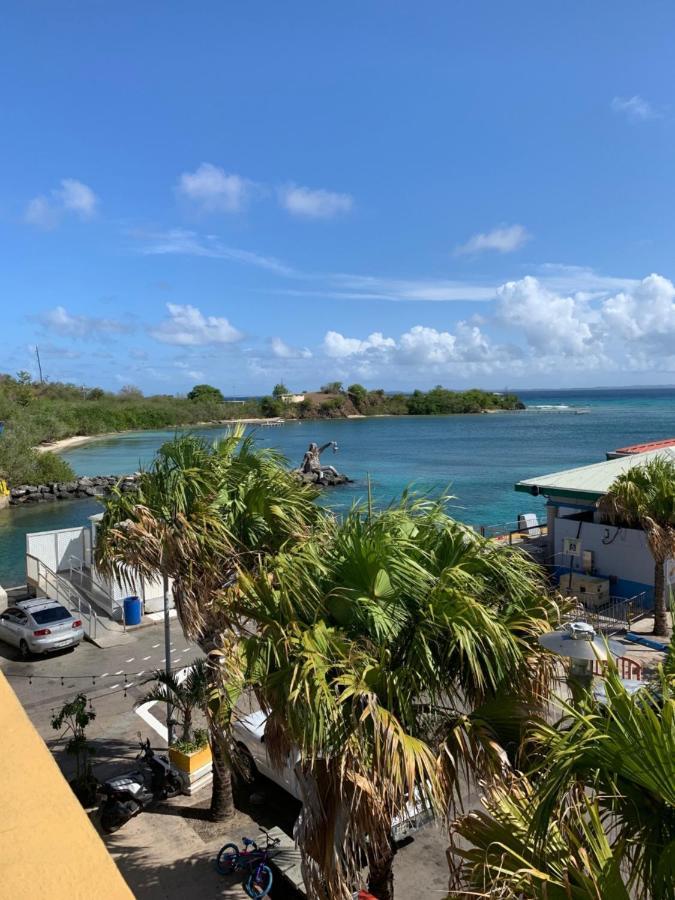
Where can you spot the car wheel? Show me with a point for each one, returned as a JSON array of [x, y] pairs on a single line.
[[24, 650], [246, 767]]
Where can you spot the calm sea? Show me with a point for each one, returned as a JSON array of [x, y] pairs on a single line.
[[478, 458]]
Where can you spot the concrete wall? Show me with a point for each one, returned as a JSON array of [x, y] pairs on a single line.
[[49, 847], [619, 552]]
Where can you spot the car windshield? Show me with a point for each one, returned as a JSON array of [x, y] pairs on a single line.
[[53, 614]]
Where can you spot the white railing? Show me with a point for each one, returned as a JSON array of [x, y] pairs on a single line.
[[95, 587], [57, 588], [617, 614]]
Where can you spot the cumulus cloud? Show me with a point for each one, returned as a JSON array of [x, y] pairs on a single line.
[[282, 350], [635, 108], [71, 198], [213, 190], [338, 346], [314, 204], [546, 319], [505, 239], [187, 326], [60, 321]]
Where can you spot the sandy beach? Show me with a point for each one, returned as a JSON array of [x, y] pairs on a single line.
[[76, 439]]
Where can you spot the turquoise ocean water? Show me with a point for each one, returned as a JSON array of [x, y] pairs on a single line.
[[478, 457]]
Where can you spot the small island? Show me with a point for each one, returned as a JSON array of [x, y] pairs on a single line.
[[36, 416]]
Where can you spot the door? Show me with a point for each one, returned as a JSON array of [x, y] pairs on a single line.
[[9, 629]]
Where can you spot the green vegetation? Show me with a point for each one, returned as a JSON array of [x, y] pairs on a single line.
[[595, 817], [183, 696], [36, 413], [206, 392], [201, 514], [398, 653], [72, 719]]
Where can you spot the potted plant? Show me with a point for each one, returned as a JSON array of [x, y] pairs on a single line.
[[74, 717], [190, 752]]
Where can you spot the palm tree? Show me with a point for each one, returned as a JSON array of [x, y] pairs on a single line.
[[199, 515], [184, 695], [597, 816], [383, 650], [644, 497]]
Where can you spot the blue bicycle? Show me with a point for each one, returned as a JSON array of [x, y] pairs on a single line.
[[252, 859]]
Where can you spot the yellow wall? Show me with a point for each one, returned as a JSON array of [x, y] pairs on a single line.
[[48, 846]]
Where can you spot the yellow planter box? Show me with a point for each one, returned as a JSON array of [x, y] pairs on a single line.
[[190, 762]]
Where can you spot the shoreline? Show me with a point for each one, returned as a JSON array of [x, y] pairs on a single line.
[[78, 439]]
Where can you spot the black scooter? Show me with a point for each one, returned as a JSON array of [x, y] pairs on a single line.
[[125, 796]]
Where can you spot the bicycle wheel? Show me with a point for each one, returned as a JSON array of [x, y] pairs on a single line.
[[259, 883], [227, 859]]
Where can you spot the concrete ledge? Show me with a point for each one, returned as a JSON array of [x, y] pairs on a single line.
[[195, 781], [286, 859]]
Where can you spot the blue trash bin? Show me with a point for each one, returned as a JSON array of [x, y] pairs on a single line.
[[133, 611]]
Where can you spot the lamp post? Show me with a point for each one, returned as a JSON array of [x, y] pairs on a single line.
[[579, 643]]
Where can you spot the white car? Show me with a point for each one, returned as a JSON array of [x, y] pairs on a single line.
[[39, 626], [250, 735]]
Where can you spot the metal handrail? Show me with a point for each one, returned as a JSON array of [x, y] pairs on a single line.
[[78, 566], [58, 588]]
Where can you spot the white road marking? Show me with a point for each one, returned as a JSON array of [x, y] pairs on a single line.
[[154, 723], [155, 646], [113, 686], [146, 657], [121, 672], [138, 674], [132, 659], [187, 650], [104, 675]]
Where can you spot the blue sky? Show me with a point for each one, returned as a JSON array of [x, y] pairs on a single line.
[[393, 193]]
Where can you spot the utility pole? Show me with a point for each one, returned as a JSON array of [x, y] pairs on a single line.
[[37, 353]]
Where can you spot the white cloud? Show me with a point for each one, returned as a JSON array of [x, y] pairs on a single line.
[[505, 239], [546, 319], [646, 313], [338, 346], [60, 321], [72, 197], [78, 198], [282, 350], [214, 190], [314, 204], [187, 326], [182, 242], [635, 108]]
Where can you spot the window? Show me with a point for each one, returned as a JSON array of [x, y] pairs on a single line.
[[51, 615]]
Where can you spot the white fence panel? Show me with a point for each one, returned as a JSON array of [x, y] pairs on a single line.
[[54, 548]]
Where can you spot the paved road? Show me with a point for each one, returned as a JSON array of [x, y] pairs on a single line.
[[105, 676], [168, 852]]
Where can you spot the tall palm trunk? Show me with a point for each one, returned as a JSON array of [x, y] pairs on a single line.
[[660, 618], [222, 800], [381, 874]]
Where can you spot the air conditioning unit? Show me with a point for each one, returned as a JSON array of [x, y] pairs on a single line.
[[588, 589]]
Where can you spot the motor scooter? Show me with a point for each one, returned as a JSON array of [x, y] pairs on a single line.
[[125, 796]]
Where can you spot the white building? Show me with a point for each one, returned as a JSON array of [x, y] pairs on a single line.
[[585, 550]]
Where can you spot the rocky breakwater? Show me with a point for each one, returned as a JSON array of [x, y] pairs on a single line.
[[323, 479], [78, 489]]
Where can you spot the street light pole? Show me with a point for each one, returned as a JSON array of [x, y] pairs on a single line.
[[167, 657]]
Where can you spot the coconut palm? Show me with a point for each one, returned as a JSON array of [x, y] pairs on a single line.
[[199, 514], [383, 649], [597, 818], [644, 497], [184, 695]]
